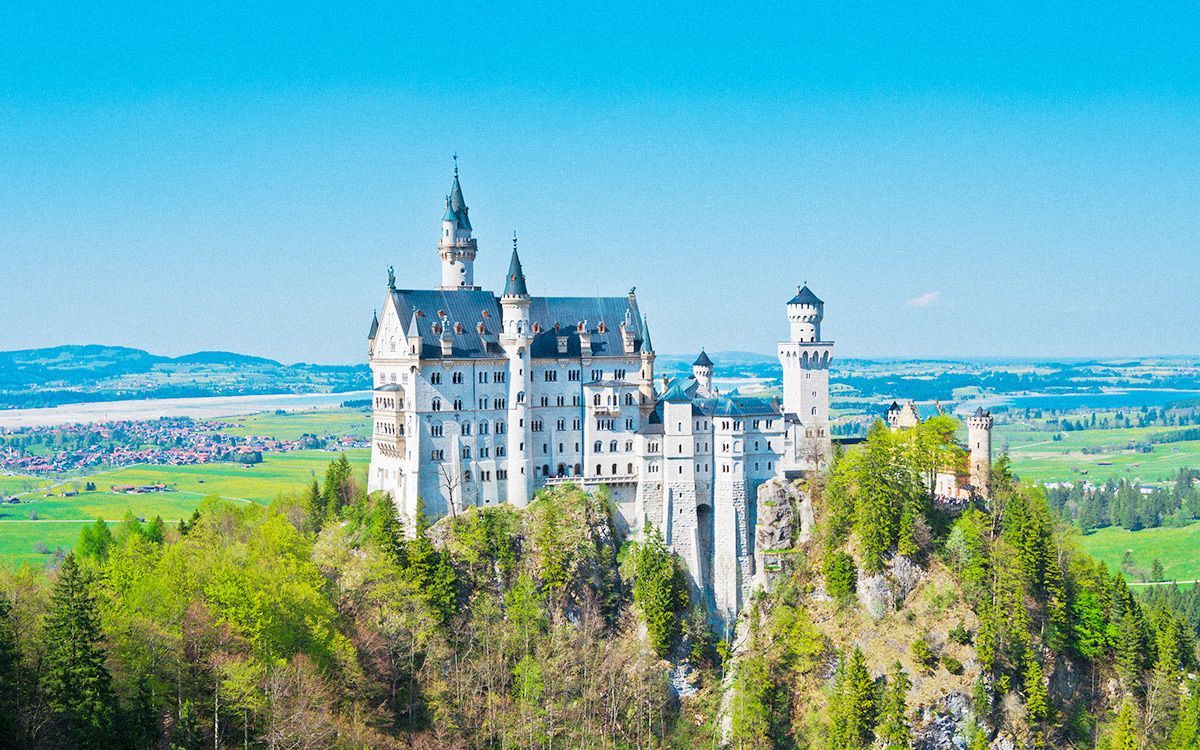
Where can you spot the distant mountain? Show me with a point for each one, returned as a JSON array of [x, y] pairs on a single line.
[[225, 358], [77, 373]]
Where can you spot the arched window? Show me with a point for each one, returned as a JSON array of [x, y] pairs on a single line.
[[562, 470], [599, 470], [521, 397], [578, 470], [437, 404], [629, 399], [596, 400], [458, 404], [628, 445], [612, 447], [614, 470], [545, 470], [629, 469], [483, 403], [597, 447]]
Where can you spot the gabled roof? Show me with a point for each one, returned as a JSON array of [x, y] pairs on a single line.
[[702, 360], [805, 296], [468, 306], [374, 327]]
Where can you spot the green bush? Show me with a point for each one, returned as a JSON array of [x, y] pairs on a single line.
[[952, 665], [959, 634], [922, 652]]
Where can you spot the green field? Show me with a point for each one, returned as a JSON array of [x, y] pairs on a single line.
[[60, 518], [292, 425], [1037, 457], [1175, 547]]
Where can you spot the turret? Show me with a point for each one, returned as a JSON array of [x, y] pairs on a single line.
[[979, 443], [805, 312], [515, 337], [702, 370], [456, 247], [646, 395]]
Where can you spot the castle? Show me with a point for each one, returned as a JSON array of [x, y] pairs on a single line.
[[948, 487], [482, 399]]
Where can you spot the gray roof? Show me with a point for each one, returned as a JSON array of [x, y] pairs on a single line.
[[514, 285], [456, 207], [646, 345], [374, 326], [702, 360], [805, 297], [739, 406], [468, 307]]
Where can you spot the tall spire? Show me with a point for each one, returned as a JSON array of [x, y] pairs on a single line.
[[374, 326], [456, 205], [514, 285], [647, 347]]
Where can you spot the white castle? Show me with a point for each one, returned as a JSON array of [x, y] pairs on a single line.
[[482, 399]]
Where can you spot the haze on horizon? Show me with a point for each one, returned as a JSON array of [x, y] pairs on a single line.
[[1013, 181]]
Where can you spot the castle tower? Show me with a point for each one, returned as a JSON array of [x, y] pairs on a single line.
[[702, 370], [979, 442], [516, 337], [646, 396], [805, 360], [456, 247]]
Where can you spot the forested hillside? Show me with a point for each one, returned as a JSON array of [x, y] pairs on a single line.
[[316, 623]]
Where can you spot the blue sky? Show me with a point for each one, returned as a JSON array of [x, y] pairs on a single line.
[[1013, 180]]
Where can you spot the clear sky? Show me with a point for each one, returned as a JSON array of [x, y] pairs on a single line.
[[1014, 180]]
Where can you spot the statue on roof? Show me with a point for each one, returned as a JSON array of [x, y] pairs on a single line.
[[391, 279]]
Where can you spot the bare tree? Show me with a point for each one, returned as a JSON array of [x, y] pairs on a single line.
[[451, 481]]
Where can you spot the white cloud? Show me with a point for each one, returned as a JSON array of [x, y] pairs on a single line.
[[925, 300]]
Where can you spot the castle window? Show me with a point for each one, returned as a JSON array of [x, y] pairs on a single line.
[[436, 405], [435, 378], [597, 374], [456, 378], [578, 470], [596, 400], [501, 403], [499, 428], [575, 400], [536, 425], [437, 454], [521, 397], [466, 451], [597, 447], [629, 469], [629, 399], [629, 423], [483, 428], [545, 401], [458, 404], [483, 376], [562, 470], [551, 376], [545, 470], [560, 425], [483, 403], [614, 470], [436, 430], [466, 428], [612, 447], [573, 375], [575, 423], [599, 470], [628, 445], [498, 376], [562, 400], [500, 452]]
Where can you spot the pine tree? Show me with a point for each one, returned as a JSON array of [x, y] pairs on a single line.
[[1037, 706], [77, 683], [95, 541], [893, 730], [314, 505], [852, 709], [1125, 733], [1186, 733], [9, 676]]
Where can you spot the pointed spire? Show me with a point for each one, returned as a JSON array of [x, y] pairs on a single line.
[[647, 347], [414, 327], [514, 286], [702, 360], [456, 206], [374, 326]]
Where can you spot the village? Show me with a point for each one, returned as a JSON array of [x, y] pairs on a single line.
[[175, 441]]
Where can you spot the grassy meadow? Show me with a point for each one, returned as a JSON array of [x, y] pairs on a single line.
[[41, 522], [1175, 547], [1037, 457]]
